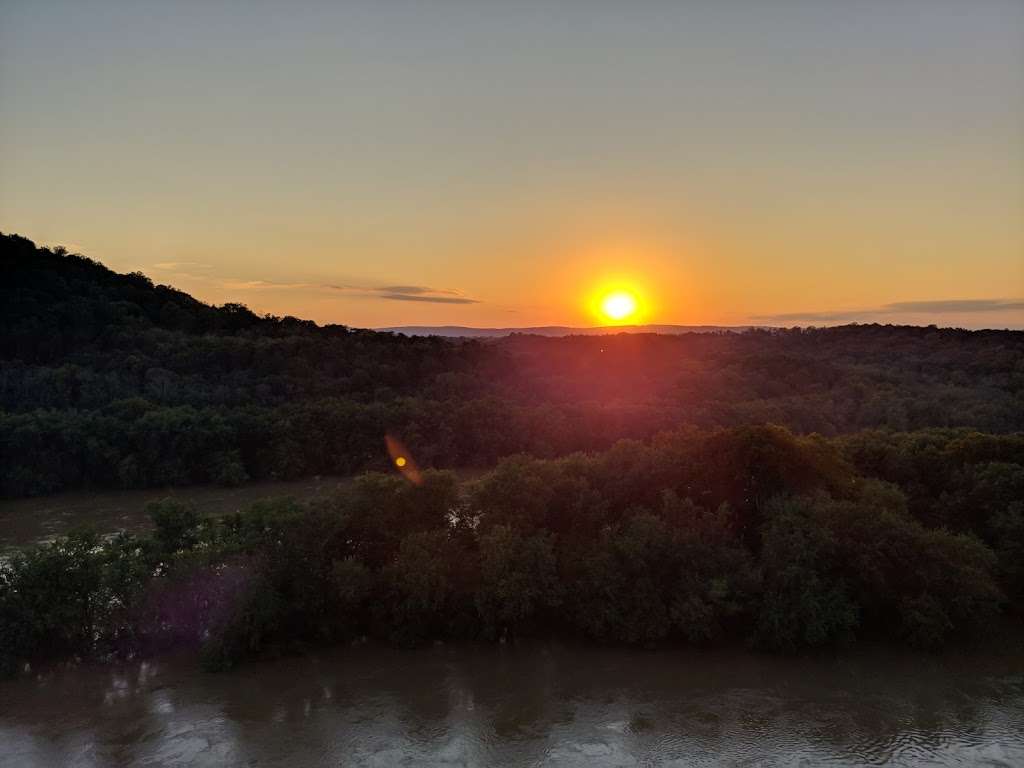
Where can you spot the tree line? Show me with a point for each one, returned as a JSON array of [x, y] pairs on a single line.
[[699, 537]]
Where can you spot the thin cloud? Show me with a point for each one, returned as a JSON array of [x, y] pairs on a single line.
[[406, 293], [433, 299], [957, 305], [177, 265], [262, 285], [421, 293], [415, 290], [942, 306], [229, 283]]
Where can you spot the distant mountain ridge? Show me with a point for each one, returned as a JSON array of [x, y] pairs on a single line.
[[457, 331]]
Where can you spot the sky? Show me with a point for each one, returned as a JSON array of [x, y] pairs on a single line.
[[503, 164]]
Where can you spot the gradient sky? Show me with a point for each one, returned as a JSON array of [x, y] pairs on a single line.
[[487, 164]]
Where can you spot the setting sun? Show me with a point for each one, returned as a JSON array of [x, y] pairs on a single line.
[[618, 305]]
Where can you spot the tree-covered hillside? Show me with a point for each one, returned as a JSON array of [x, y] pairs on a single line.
[[108, 380]]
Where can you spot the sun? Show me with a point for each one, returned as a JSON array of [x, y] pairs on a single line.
[[618, 305]]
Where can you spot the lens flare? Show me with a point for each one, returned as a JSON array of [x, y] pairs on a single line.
[[403, 460]]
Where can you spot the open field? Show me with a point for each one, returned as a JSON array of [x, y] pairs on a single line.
[[40, 519]]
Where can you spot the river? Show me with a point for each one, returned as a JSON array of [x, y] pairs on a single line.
[[524, 705]]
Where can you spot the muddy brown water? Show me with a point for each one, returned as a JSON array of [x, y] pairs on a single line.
[[524, 705]]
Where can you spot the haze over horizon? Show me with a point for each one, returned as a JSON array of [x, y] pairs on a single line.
[[447, 164]]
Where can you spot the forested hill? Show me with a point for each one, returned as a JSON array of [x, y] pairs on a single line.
[[108, 380], [55, 305]]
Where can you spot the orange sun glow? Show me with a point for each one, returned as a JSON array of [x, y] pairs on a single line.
[[618, 305]]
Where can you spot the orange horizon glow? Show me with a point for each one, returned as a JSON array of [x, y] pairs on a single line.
[[388, 165]]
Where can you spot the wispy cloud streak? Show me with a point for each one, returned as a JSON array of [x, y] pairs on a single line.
[[941, 306], [956, 305], [407, 293], [177, 265], [194, 270], [416, 290], [433, 299]]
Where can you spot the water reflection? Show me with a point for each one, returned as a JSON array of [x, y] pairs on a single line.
[[523, 705]]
